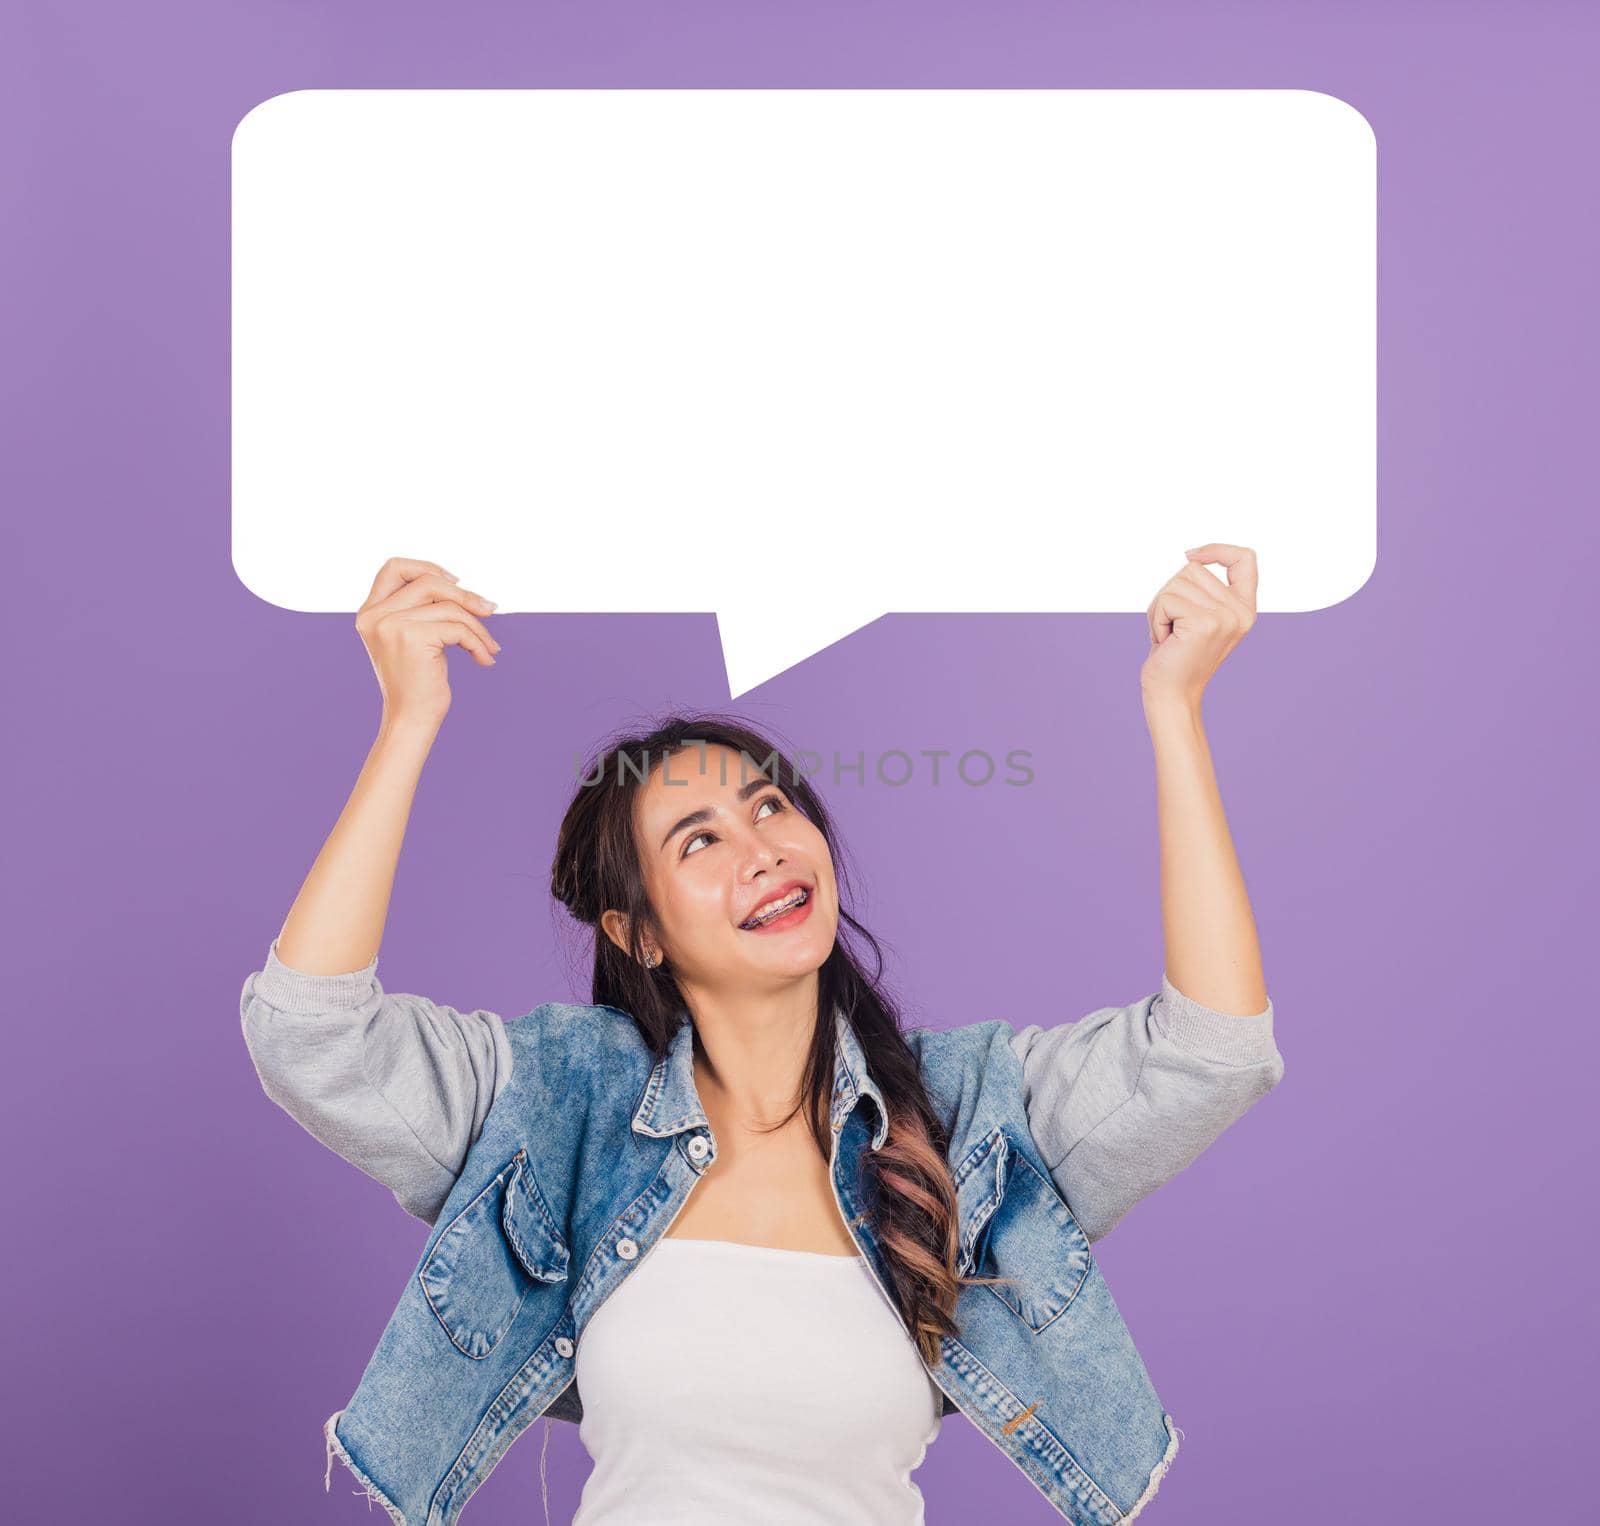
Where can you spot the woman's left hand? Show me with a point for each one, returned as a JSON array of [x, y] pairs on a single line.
[[1196, 620]]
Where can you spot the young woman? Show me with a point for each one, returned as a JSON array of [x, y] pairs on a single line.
[[650, 1201]]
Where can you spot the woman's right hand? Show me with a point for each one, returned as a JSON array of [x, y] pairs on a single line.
[[415, 610]]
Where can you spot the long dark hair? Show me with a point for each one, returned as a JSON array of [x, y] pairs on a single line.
[[906, 1184]]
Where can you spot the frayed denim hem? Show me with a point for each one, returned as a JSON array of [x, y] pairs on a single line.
[[1159, 1471], [370, 1489]]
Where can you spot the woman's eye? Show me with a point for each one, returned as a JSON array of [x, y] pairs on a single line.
[[772, 800]]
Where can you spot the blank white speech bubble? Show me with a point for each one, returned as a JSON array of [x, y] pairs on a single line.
[[803, 357]]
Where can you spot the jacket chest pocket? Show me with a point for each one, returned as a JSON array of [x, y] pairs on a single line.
[[489, 1256], [1015, 1225]]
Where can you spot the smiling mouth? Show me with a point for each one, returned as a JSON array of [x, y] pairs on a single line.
[[777, 909]]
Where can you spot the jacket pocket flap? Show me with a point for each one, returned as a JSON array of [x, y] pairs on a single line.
[[531, 1228], [980, 1184]]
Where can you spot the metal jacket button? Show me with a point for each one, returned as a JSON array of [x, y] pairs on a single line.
[[627, 1249], [698, 1147], [563, 1346]]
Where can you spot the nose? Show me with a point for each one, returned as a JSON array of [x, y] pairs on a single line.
[[762, 857]]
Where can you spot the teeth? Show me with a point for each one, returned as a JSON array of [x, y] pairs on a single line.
[[787, 904]]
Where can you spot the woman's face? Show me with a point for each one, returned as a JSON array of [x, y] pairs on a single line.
[[718, 841]]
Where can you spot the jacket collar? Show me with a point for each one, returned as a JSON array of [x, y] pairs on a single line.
[[671, 1101]]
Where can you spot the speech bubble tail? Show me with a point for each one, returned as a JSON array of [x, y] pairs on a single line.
[[758, 645]]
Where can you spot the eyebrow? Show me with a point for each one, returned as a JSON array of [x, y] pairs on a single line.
[[694, 818]]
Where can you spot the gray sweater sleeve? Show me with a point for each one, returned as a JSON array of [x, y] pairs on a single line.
[[1123, 1099], [396, 1084]]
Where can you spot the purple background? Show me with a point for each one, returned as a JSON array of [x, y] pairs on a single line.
[[1370, 1300]]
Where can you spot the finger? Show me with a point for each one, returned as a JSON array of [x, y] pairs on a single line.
[[1165, 608], [1182, 595], [397, 572], [460, 633], [428, 588], [1180, 600], [1205, 583], [1215, 595], [444, 611], [1240, 562]]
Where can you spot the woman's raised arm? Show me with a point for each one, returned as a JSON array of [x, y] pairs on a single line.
[[412, 614], [1122, 1100], [1196, 620], [398, 1085]]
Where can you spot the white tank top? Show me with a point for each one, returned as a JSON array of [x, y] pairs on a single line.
[[726, 1383]]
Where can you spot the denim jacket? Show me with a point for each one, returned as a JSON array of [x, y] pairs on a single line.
[[578, 1150]]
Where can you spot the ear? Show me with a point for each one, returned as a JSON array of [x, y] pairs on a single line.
[[615, 924]]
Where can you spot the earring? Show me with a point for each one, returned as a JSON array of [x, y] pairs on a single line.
[[650, 961]]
